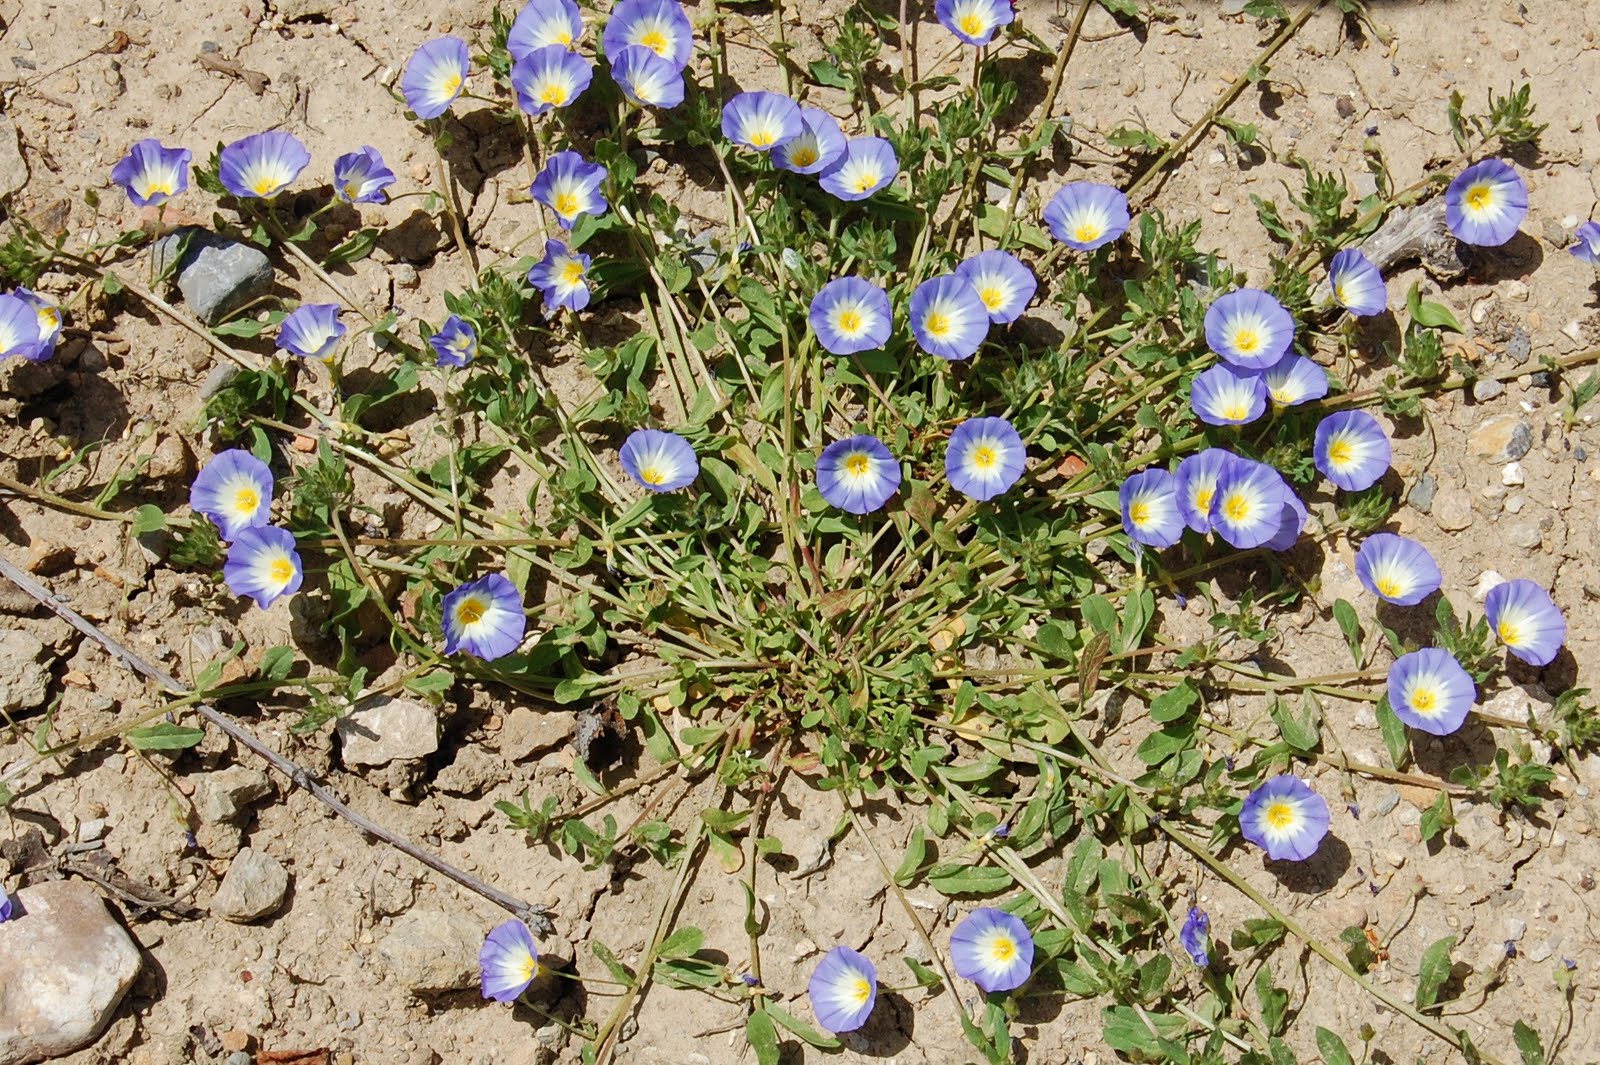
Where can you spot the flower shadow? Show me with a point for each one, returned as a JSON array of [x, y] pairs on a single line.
[[1319, 873]]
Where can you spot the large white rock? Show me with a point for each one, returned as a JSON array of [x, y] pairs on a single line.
[[385, 730], [64, 966], [429, 950]]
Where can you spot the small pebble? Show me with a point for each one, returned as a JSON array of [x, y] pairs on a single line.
[[1484, 389], [1422, 493], [1511, 475], [1515, 504]]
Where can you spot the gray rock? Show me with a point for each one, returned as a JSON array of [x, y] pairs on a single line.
[[1486, 388], [228, 793], [1389, 801], [1502, 439], [1524, 536], [67, 963], [239, 1057], [1520, 346], [429, 950], [1422, 492], [528, 731], [13, 167], [386, 730], [1452, 509], [253, 887], [216, 275], [24, 672]]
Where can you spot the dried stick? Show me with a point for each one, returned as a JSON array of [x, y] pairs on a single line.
[[534, 915]]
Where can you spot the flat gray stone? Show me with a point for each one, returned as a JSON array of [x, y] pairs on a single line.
[[66, 964], [228, 793], [24, 671], [431, 951], [13, 167], [216, 275], [387, 730], [253, 887]]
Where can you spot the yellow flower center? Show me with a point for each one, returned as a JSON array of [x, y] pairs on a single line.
[[850, 320], [1340, 453], [1246, 341], [656, 41], [566, 204], [992, 297], [1139, 514], [1086, 233], [153, 187], [530, 968], [450, 85], [1510, 633], [564, 37], [246, 500], [1280, 815], [554, 94], [761, 138], [937, 325], [265, 185], [652, 474], [1424, 700], [857, 465], [803, 156], [1202, 499], [984, 457], [572, 272], [1479, 197], [1237, 507], [1003, 949], [1339, 294], [1281, 395], [1236, 412], [972, 25], [282, 570], [861, 990], [865, 180], [471, 612], [1389, 586], [352, 189]]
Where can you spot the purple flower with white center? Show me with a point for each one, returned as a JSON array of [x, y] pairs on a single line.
[[260, 166], [1249, 328], [646, 79], [234, 491], [1285, 818], [19, 330], [973, 22], [843, 990], [1527, 620], [1247, 509], [570, 186], [866, 165], [361, 177], [1357, 285], [1485, 204], [1397, 570], [550, 77], [1196, 484], [818, 144], [857, 474], [508, 962], [542, 23], [1294, 379], [761, 120], [661, 461], [5, 906], [263, 564], [311, 331], [562, 277], [1588, 246], [1196, 936], [435, 76], [851, 314], [1226, 395], [948, 317], [1001, 281], [151, 174], [484, 618], [1352, 450], [1291, 520], [1429, 691], [661, 26], [993, 949], [1150, 513], [985, 457], [456, 343], [1086, 215]]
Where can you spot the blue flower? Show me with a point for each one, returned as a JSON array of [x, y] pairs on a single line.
[[1196, 936], [1429, 690], [1249, 328], [761, 120], [362, 177], [484, 618], [993, 949], [646, 79], [435, 76], [1285, 818], [661, 461], [5, 906], [562, 277], [1197, 485], [973, 21], [456, 343], [843, 990], [1001, 281], [263, 564], [1247, 509], [1291, 520], [542, 23], [260, 166], [857, 474], [819, 143], [48, 314], [1294, 379], [570, 186], [1086, 215], [550, 77], [1527, 620], [19, 330], [1397, 570], [948, 317], [234, 491], [311, 331], [1352, 450], [1225, 395], [508, 962], [1150, 514], [1357, 285], [152, 174], [985, 457], [657, 25], [1588, 246], [851, 314], [1485, 204], [866, 165]]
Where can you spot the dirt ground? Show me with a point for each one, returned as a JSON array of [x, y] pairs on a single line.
[[85, 77]]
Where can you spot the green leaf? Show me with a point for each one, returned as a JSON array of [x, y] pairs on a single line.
[[763, 1037], [1332, 1048], [1438, 817], [955, 879], [435, 683], [1357, 949], [1434, 972], [825, 73], [1431, 315], [683, 943], [1274, 1001], [800, 1028], [619, 972], [1528, 1044], [1126, 8], [916, 854], [924, 976], [111, 283], [1350, 625], [240, 327], [1301, 735], [1174, 703], [1257, 932], [165, 736], [276, 662], [1394, 734], [148, 519]]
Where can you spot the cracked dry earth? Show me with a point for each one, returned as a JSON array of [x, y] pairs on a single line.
[[364, 955]]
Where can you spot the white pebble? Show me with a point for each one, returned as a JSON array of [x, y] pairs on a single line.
[[1486, 581], [1511, 476]]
